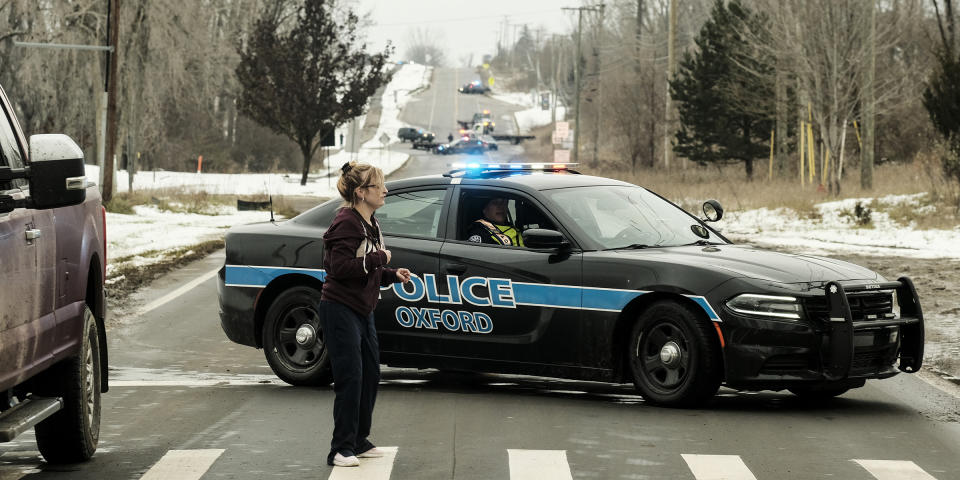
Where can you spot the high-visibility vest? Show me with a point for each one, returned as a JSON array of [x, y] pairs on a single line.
[[503, 234]]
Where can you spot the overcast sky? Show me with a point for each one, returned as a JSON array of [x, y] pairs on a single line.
[[461, 27]]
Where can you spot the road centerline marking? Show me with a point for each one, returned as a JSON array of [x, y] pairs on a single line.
[[176, 293], [718, 467], [539, 465], [183, 464]]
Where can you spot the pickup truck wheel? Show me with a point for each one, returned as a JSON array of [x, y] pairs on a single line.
[[71, 435], [673, 358], [293, 340]]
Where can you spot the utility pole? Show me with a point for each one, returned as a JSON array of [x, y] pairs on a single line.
[[671, 72], [598, 104], [575, 155], [113, 24]]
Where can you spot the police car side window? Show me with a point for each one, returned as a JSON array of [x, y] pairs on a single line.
[[413, 213]]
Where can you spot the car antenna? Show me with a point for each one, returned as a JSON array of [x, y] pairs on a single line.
[[271, 210]]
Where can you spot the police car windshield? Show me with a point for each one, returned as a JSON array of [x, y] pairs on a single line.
[[625, 217]]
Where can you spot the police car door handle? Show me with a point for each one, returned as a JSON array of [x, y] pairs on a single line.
[[456, 268]]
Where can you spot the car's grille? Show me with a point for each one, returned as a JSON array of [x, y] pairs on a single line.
[[863, 306], [782, 364]]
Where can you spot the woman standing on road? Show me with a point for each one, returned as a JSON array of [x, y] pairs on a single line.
[[356, 261]]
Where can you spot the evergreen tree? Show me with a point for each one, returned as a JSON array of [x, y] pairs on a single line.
[[724, 92], [305, 82], [941, 98]]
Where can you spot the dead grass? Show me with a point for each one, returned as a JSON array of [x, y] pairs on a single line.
[[188, 201], [688, 185]]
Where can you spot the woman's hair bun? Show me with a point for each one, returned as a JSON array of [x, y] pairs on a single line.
[[345, 168]]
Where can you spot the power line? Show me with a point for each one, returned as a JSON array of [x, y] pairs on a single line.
[[462, 19]]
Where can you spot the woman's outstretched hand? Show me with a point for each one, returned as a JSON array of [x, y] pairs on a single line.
[[403, 275]]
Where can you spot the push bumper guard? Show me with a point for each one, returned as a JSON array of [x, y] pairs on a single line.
[[837, 358]]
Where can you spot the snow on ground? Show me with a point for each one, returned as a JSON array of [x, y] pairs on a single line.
[[836, 231], [146, 236], [534, 116], [143, 237], [397, 93]]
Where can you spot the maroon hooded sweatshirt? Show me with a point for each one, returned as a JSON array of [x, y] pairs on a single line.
[[354, 261]]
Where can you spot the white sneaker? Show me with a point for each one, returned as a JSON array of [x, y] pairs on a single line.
[[341, 461], [372, 453]]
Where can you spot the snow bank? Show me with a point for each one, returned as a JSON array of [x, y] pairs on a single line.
[[837, 231]]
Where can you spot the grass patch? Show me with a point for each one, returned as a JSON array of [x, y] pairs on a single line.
[[125, 278], [689, 185], [200, 202]]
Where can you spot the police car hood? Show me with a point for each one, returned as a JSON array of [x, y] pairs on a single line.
[[748, 262]]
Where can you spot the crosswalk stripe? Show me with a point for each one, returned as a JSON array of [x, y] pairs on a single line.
[[894, 470], [369, 469], [718, 467], [539, 464], [183, 464]]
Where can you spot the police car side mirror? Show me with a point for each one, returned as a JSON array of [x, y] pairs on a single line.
[[543, 238], [712, 210]]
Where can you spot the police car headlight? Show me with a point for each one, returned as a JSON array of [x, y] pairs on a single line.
[[895, 304], [766, 305]]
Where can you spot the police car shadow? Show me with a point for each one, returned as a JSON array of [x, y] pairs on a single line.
[[474, 383]]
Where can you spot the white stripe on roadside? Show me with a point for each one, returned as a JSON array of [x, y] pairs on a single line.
[[183, 464], [718, 467], [176, 293], [894, 470], [539, 464], [369, 469]]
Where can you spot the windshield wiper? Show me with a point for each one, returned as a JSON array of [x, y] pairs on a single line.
[[634, 246], [703, 242]]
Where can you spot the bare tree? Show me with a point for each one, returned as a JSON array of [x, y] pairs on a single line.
[[828, 41], [425, 47]]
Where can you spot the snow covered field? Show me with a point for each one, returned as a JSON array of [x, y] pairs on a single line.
[[836, 231]]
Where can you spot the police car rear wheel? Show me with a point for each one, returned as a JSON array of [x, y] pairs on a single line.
[[293, 340], [673, 358]]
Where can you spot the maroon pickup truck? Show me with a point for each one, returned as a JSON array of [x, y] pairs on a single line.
[[53, 349]]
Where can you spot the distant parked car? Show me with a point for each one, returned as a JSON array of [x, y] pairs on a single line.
[[53, 346], [408, 133]]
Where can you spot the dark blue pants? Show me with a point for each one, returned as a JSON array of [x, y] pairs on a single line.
[[351, 343]]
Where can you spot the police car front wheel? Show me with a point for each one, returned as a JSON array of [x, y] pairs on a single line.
[[673, 357], [293, 338]]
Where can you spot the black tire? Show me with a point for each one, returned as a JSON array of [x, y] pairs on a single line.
[[673, 356], [71, 435], [303, 361]]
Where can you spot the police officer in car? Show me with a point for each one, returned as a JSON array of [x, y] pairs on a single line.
[[495, 228]]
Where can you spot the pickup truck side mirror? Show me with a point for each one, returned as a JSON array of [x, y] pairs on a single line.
[[56, 172], [544, 238]]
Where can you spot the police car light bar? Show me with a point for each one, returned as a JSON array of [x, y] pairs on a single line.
[[461, 168]]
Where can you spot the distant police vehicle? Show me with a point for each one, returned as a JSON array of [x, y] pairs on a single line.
[[614, 283], [475, 86]]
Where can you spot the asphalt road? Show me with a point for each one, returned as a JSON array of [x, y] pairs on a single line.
[[186, 403], [185, 399], [438, 108]]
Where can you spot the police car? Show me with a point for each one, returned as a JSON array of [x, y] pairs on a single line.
[[614, 284]]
